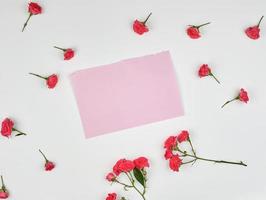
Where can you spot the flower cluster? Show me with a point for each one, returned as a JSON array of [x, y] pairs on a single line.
[[134, 170], [178, 157]]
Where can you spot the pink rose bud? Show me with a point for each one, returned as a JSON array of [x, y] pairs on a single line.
[[110, 177], [68, 53], [140, 27], [51, 81], [49, 166]]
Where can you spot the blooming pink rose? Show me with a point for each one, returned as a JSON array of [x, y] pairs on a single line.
[[253, 32], [68, 54], [49, 166], [140, 27], [193, 32], [3, 194], [34, 8], [243, 96], [110, 177], [7, 127], [51, 81], [126, 165], [141, 162], [170, 142], [168, 154], [204, 70], [111, 196], [175, 162], [183, 136], [116, 168]]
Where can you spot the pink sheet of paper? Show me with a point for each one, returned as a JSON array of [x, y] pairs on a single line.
[[126, 94]]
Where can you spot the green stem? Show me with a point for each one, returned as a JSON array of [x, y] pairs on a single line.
[[191, 161], [59, 48], [147, 19], [211, 74], [19, 132], [38, 76], [3, 184], [229, 102], [260, 21], [202, 25], [212, 160], [26, 23], [125, 185], [43, 155], [192, 148], [133, 185], [2, 180]]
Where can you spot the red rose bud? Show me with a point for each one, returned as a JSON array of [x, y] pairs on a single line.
[[8, 127], [183, 136], [49, 166], [205, 70], [68, 53], [33, 9], [242, 96], [141, 163], [193, 31], [175, 163], [140, 27], [110, 177], [253, 32], [111, 196], [51, 81], [3, 191]]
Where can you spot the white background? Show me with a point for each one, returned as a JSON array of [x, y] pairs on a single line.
[[100, 32]]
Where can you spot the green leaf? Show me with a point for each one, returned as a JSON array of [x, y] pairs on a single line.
[[139, 176]]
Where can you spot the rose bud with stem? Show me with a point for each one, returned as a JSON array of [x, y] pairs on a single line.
[[33, 9], [205, 70], [253, 32], [140, 27], [3, 191], [8, 127], [48, 164], [194, 32], [68, 53], [242, 96], [51, 81]]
